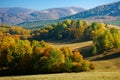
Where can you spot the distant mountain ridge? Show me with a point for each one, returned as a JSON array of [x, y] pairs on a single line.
[[105, 12], [13, 15], [109, 13], [18, 15], [24, 17]]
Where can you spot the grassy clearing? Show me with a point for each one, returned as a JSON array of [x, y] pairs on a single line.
[[108, 65], [70, 45]]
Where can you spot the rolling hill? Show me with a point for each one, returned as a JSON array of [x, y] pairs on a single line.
[[14, 15], [37, 24], [109, 13], [102, 13], [18, 15]]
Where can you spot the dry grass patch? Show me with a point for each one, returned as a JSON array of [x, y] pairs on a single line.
[[69, 76], [70, 45]]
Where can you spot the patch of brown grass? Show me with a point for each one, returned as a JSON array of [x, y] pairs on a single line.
[[70, 45], [69, 76]]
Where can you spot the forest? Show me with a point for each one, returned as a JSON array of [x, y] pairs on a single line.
[[25, 51]]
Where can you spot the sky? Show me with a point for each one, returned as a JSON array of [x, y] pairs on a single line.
[[46, 4]]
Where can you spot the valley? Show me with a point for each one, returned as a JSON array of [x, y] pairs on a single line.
[[60, 40]]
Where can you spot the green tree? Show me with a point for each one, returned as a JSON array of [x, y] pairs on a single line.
[[116, 35], [55, 59], [94, 51], [67, 65]]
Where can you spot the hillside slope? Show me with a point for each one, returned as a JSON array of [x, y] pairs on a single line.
[[14, 15], [18, 15], [105, 69], [105, 12]]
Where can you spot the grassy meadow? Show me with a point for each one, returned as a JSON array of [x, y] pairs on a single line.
[[71, 45]]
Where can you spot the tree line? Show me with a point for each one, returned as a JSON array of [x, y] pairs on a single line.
[[68, 29], [103, 36]]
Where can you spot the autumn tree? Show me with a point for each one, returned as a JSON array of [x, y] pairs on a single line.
[[7, 48], [116, 36], [55, 60]]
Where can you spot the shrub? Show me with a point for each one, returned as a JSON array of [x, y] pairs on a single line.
[[92, 66]]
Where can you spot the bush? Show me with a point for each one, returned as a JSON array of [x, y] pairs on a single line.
[[92, 66]]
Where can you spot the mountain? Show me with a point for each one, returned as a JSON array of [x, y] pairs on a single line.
[[14, 15], [101, 13], [18, 15], [62, 12]]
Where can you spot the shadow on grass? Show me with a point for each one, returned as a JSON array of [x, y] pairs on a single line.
[[86, 51], [111, 56]]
